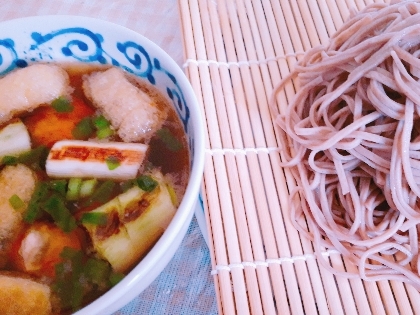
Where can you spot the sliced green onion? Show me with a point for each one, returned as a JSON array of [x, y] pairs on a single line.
[[100, 122], [34, 210], [112, 162], [32, 213], [9, 160], [103, 127], [62, 286], [102, 194], [16, 202], [67, 284], [88, 187], [115, 277], [73, 188], [62, 105], [146, 182], [172, 194], [71, 254], [56, 207], [94, 218], [84, 129], [97, 271], [78, 275], [35, 158], [126, 185], [77, 296], [58, 185], [104, 133], [170, 141]]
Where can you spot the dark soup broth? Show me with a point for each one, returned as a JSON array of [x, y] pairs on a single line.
[[75, 230]]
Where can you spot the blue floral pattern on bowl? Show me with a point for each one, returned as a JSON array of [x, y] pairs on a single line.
[[81, 44]]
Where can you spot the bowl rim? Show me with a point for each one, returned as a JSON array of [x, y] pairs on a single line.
[[182, 218]]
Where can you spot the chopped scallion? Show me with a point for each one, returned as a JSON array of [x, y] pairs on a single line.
[[84, 129], [126, 185], [34, 210], [102, 194], [62, 105], [100, 122], [94, 218], [67, 284], [103, 127], [71, 254], [146, 182], [97, 271], [73, 188], [35, 158], [16, 202], [172, 193], [114, 278], [9, 160], [59, 185], [104, 133], [112, 162], [88, 187], [56, 207], [77, 275]]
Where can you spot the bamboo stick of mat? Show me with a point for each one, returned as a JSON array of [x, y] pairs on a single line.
[[236, 51]]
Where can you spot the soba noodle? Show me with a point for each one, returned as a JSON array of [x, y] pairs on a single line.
[[353, 129]]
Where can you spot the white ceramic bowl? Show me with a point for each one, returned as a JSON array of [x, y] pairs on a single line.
[[81, 39]]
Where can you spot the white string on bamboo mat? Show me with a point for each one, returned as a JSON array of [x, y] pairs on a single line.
[[265, 263], [242, 150], [241, 63]]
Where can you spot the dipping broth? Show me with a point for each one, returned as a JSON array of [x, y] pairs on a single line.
[[72, 230]]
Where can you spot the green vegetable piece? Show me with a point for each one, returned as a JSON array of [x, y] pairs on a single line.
[[34, 210], [88, 187], [172, 193], [73, 189], [62, 105], [71, 254], [103, 127], [104, 133], [112, 162], [68, 285], [77, 276], [35, 158], [84, 129], [95, 218], [146, 183], [62, 217], [9, 160], [170, 141], [97, 271], [62, 285], [102, 194], [58, 185], [16, 202], [77, 296], [126, 185], [59, 268], [115, 277], [101, 122]]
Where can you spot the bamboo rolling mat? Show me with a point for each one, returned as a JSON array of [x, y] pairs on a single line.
[[236, 51]]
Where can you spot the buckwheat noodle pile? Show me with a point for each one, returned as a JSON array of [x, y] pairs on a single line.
[[354, 132]]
